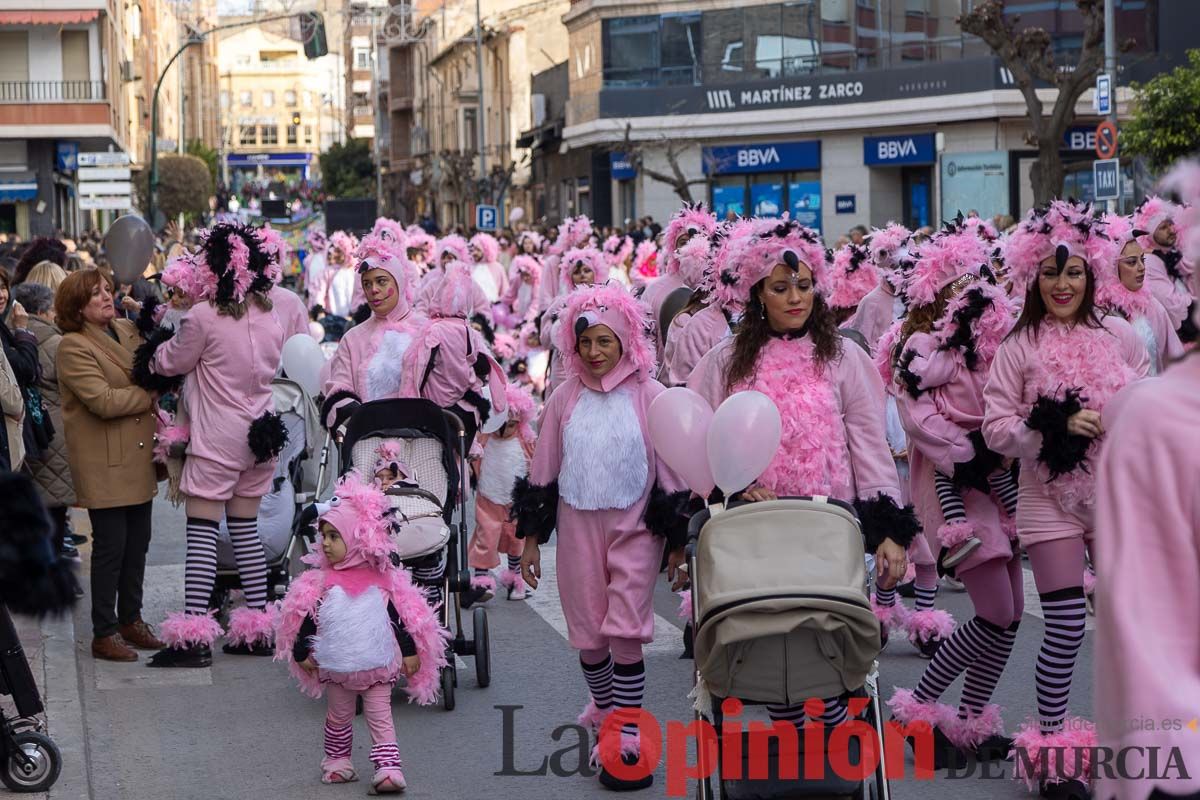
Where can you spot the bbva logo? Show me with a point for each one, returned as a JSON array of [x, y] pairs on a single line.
[[757, 156], [891, 149]]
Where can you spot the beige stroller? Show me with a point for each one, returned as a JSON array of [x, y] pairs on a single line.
[[781, 615]]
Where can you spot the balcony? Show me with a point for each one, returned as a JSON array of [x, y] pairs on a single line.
[[51, 91]]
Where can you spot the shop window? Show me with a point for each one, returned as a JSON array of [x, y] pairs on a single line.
[[804, 198], [729, 197]]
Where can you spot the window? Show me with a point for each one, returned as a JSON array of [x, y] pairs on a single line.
[[681, 38], [291, 134], [247, 134], [308, 134], [268, 99], [289, 98], [362, 58], [246, 98], [270, 134], [631, 51], [470, 136], [224, 99], [75, 67]]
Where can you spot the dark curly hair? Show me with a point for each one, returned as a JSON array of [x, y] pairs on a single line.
[[754, 331]]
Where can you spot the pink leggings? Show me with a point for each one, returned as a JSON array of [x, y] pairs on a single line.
[[339, 723], [997, 590], [1058, 563], [624, 651]]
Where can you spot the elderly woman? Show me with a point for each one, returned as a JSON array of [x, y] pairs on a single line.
[[108, 424], [52, 471]]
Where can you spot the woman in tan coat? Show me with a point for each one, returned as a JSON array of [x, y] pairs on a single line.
[[109, 426]]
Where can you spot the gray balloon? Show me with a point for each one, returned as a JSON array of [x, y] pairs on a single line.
[[129, 245]]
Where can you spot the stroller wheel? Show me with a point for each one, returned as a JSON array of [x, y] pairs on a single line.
[[483, 654], [448, 687], [34, 763]]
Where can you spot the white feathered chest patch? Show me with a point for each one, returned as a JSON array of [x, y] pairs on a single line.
[[383, 371], [604, 463], [502, 463], [354, 633]]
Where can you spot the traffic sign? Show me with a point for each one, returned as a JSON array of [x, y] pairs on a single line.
[[1103, 99], [1106, 139], [105, 174], [96, 202], [1106, 179], [102, 160], [486, 217]]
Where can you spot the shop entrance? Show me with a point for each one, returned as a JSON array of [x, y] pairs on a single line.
[[918, 196]]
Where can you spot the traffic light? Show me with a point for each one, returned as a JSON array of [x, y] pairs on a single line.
[[296, 118], [312, 33]]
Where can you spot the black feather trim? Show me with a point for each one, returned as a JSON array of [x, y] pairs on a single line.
[[881, 519], [361, 314], [482, 366], [143, 375], [267, 437], [480, 404], [974, 474], [485, 327], [34, 580], [316, 312], [534, 509], [963, 323], [911, 380], [145, 319], [668, 515], [1061, 451], [335, 398]]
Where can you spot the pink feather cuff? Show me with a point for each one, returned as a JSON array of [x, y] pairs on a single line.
[[969, 733], [254, 627], [933, 623], [909, 710], [1055, 757], [483, 582], [952, 534], [182, 630]]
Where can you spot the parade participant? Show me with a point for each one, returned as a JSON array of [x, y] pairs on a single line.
[[488, 271], [419, 247], [578, 268], [618, 252], [829, 396], [229, 347], [533, 360], [390, 470], [1121, 286], [530, 243], [573, 233], [689, 221], [286, 304], [960, 488], [645, 264], [702, 323], [1050, 381], [367, 363], [451, 249], [352, 626], [340, 278], [1167, 271], [504, 460], [314, 265], [595, 479], [854, 276], [524, 284], [881, 307]]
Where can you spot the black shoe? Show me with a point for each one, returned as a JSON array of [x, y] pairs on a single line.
[[945, 754], [1069, 789], [248, 650], [476, 594], [615, 784], [908, 590], [75, 539], [194, 657], [687, 641], [994, 748], [929, 647], [69, 552]]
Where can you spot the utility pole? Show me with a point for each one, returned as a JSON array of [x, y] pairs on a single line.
[[1110, 67], [481, 123]]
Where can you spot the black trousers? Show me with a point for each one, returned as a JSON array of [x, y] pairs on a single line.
[[120, 539]]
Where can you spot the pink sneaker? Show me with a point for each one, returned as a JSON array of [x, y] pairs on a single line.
[[387, 780], [337, 770]]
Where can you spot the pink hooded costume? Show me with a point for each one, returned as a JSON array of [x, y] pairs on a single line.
[[488, 272], [692, 221], [1168, 273], [456, 248], [340, 287], [573, 232], [686, 344], [567, 264], [524, 289], [880, 306], [357, 620]]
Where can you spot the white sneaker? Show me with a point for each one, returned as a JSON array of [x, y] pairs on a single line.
[[953, 584], [518, 591]]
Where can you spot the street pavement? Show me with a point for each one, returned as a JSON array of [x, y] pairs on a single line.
[[241, 729]]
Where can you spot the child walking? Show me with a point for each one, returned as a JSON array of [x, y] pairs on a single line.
[[352, 626]]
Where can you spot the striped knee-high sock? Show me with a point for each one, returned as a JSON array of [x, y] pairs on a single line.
[[1004, 486], [835, 713], [1065, 611], [200, 564], [385, 754], [926, 595], [514, 563], [251, 560], [965, 645], [599, 679], [984, 673], [949, 498], [430, 578], [338, 741], [885, 597], [629, 685]]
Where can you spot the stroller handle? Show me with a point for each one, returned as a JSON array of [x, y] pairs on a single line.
[[700, 518]]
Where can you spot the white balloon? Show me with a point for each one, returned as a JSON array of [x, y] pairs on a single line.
[[302, 361], [742, 440]]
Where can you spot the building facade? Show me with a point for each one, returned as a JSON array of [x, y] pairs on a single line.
[[840, 112]]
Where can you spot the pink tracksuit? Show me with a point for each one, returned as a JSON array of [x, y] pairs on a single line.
[[230, 364], [429, 289], [875, 314], [1173, 293], [656, 293], [1147, 551], [688, 342]]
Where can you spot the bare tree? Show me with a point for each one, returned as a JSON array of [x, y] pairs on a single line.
[[458, 178], [1029, 56], [672, 148]]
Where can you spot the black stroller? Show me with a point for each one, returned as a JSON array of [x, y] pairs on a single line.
[[433, 514], [31, 759]]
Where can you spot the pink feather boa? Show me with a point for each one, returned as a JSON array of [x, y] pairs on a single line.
[[1068, 756], [811, 458], [932, 623], [911, 711], [853, 276], [180, 630], [989, 330], [253, 626], [168, 435], [1090, 360], [969, 733]]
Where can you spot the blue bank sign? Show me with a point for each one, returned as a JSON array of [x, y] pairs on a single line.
[[766, 157], [889, 151], [622, 167]]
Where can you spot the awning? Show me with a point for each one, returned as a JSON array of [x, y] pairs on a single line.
[[18, 186], [69, 17]]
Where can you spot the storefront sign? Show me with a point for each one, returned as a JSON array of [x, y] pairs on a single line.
[[804, 198], [766, 157], [845, 204], [889, 151], [975, 182], [65, 155], [276, 159], [622, 168]]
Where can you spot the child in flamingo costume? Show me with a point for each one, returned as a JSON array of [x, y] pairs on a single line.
[[352, 626]]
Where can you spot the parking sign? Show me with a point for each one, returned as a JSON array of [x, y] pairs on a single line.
[[486, 217], [1106, 178]]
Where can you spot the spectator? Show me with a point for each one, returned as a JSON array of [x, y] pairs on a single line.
[[109, 427], [48, 274], [51, 470], [40, 249], [20, 348], [12, 405], [858, 234]]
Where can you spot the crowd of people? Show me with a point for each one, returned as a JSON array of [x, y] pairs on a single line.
[[980, 396]]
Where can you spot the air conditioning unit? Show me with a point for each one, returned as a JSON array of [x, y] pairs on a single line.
[[127, 72], [538, 105]]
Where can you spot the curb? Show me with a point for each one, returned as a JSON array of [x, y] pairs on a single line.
[[64, 706]]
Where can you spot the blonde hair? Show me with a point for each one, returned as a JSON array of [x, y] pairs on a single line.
[[48, 274]]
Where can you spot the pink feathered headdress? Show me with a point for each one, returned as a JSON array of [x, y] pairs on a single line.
[[853, 276], [1105, 252], [277, 251], [422, 241], [691, 218], [940, 261], [378, 252], [361, 514], [981, 227], [694, 260], [230, 263], [887, 245], [389, 458], [522, 408], [645, 259], [487, 245], [391, 231], [1184, 178], [627, 317], [454, 295], [340, 240], [617, 249], [316, 239], [587, 255], [1153, 211], [456, 246], [754, 248], [504, 346], [1064, 223], [572, 232], [180, 274], [533, 236]]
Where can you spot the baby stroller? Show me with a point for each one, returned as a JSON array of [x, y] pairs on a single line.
[[781, 615], [30, 760], [434, 448], [294, 486]]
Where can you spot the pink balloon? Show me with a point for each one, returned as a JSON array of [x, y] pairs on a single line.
[[742, 440], [679, 420]]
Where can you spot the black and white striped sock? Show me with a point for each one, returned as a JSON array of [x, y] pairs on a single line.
[[514, 563], [1004, 486], [430, 577], [251, 560], [1065, 611], [200, 564], [835, 713], [480, 573], [629, 685], [985, 671], [926, 595], [948, 497], [599, 679], [964, 647], [885, 597]]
